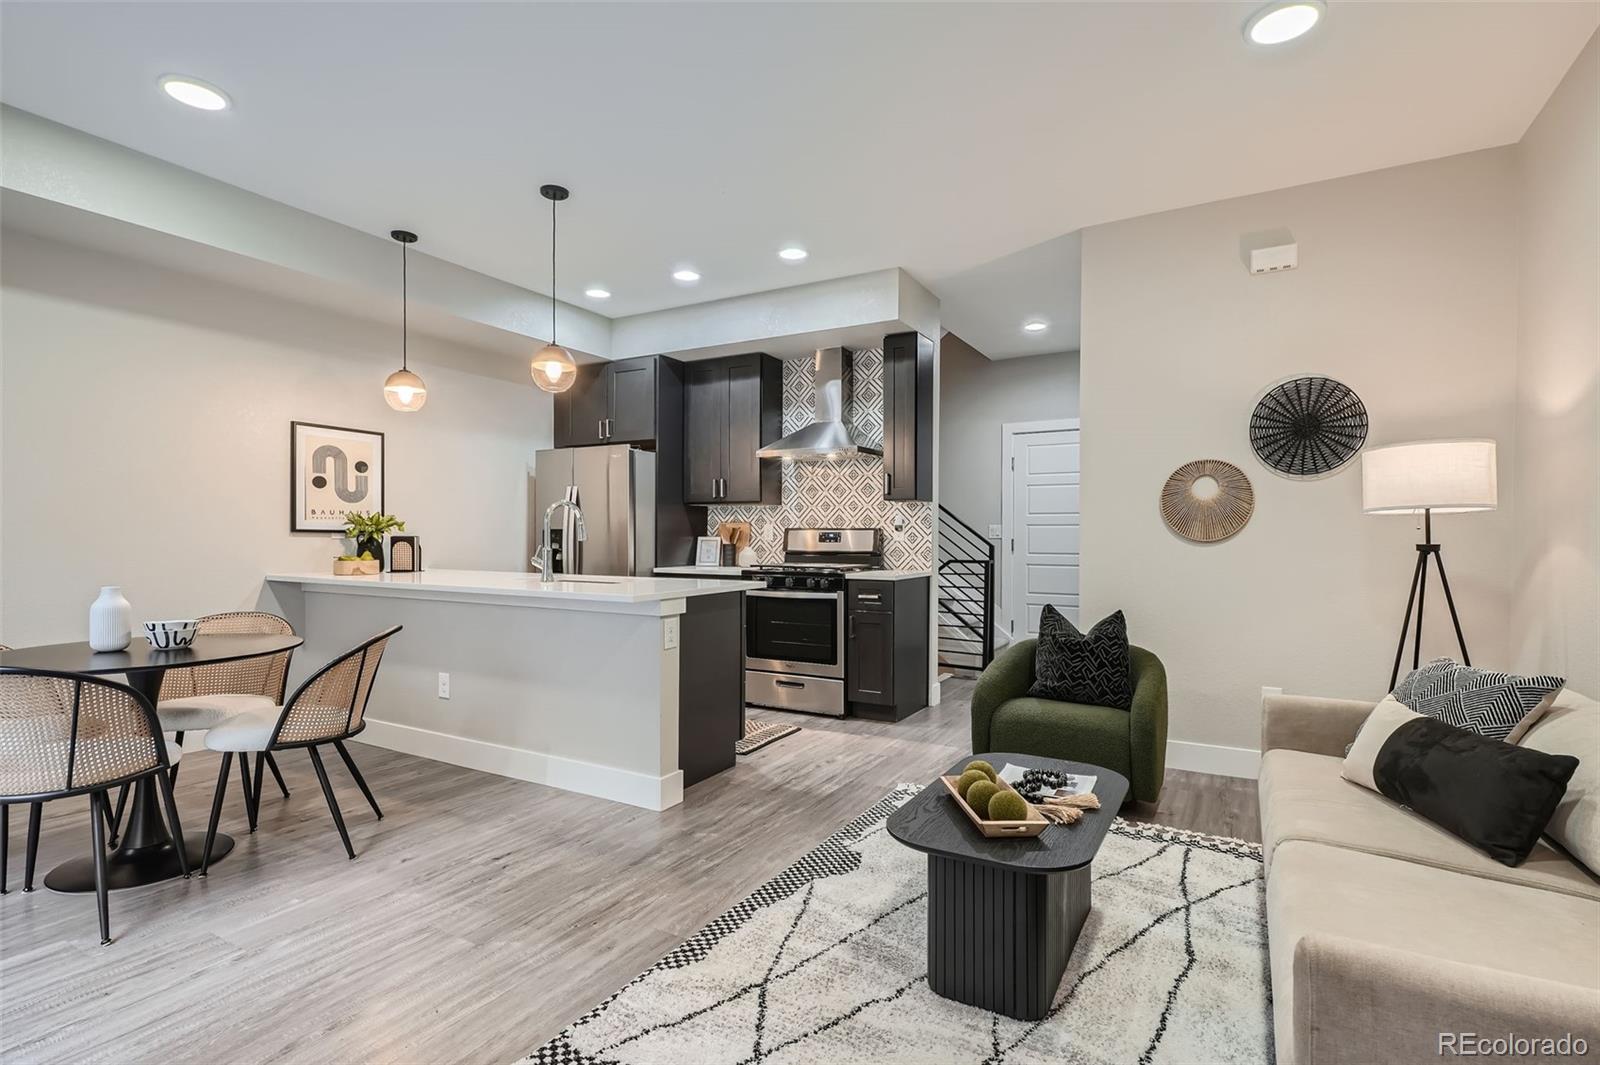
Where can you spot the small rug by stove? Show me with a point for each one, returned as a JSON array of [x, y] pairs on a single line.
[[827, 963], [757, 734]]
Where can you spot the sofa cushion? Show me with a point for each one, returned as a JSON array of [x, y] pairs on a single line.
[[1303, 797], [1316, 889], [1074, 732], [1490, 703], [1495, 795], [1572, 726]]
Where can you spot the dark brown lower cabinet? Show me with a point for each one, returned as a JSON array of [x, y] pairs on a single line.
[[886, 647], [710, 684]]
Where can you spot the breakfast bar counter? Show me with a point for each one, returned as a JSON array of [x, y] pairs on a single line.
[[620, 687]]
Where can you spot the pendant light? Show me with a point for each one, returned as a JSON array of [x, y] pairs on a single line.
[[404, 390], [553, 369]]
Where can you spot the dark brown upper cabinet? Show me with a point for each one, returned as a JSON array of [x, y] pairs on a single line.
[[907, 416], [608, 403], [732, 407]]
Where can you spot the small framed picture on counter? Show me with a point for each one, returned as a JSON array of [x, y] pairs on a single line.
[[708, 550]]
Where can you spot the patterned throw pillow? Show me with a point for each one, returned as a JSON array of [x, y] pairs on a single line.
[[1501, 706], [1071, 667]]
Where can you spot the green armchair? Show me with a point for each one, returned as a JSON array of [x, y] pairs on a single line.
[[1133, 742]]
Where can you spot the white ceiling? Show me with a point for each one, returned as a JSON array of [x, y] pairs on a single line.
[[937, 137], [993, 300]]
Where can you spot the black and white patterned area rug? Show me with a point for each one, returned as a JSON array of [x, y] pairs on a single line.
[[827, 963], [757, 734]]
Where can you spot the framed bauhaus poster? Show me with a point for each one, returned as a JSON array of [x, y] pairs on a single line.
[[332, 471]]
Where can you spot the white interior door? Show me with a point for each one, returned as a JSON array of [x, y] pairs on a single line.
[[1044, 528]]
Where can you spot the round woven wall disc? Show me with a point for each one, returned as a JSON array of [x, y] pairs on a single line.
[[1308, 426], [1207, 500]]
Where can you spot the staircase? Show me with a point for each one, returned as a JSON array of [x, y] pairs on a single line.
[[965, 595]]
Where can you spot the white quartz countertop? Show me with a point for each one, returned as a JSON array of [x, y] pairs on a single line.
[[854, 575], [579, 588]]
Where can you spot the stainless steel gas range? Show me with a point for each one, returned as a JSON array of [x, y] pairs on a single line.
[[795, 627]]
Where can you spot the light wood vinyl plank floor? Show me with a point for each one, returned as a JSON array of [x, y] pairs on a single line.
[[481, 916]]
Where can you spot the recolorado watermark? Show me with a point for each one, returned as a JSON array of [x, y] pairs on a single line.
[[1474, 1045]]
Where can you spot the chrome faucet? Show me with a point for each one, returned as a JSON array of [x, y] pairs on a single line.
[[544, 560]]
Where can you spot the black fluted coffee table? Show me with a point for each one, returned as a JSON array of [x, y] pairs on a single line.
[[1004, 914], [146, 854]]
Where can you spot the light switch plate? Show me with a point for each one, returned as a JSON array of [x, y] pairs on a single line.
[[670, 637], [997, 532]]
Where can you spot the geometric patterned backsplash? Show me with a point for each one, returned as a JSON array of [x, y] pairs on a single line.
[[843, 494]]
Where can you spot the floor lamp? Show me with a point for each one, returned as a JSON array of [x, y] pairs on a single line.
[[1428, 477]]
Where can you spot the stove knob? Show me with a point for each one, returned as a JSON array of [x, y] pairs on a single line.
[[790, 582], [812, 582]]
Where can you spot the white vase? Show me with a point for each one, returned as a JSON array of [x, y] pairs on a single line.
[[110, 621]]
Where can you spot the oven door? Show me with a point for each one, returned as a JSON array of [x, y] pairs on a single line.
[[795, 632]]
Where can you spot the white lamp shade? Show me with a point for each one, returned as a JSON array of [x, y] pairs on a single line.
[[1445, 476]]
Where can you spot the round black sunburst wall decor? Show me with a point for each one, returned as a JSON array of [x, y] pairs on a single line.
[[1308, 426]]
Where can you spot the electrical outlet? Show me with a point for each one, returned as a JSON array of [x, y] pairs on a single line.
[[670, 634], [444, 685]]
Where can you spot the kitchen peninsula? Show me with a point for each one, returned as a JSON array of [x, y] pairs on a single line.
[[627, 688]]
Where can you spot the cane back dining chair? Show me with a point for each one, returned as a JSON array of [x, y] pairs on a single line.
[[329, 708], [196, 698], [65, 734]]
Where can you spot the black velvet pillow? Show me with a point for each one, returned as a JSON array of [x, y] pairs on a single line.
[[1497, 797], [1071, 667]]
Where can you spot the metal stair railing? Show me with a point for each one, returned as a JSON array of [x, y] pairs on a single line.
[[966, 594]]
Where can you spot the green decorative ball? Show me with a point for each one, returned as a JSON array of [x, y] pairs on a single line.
[[978, 797], [984, 767], [969, 778], [1007, 806]]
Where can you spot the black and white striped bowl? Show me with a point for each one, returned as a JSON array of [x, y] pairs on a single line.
[[166, 635]]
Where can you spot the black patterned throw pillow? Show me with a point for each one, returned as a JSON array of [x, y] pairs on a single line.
[[1501, 706], [1073, 667]]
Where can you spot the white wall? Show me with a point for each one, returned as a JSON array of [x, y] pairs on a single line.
[[1406, 291], [979, 396], [145, 419], [1556, 478]]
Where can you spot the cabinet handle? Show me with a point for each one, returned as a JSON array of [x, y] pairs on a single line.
[[888, 482], [788, 684], [600, 429], [850, 627], [608, 428]]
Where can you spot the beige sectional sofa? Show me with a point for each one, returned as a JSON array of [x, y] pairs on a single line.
[[1385, 931]]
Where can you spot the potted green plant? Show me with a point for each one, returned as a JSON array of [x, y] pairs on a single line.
[[367, 530]]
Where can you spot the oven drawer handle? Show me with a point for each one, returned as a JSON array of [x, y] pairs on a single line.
[[789, 683], [765, 594]]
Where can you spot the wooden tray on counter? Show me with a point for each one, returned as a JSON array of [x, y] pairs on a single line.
[[1033, 825]]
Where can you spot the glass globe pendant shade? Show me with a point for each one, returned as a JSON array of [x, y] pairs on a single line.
[[404, 391], [553, 369]]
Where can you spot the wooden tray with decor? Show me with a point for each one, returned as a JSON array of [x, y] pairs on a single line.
[[1032, 826]]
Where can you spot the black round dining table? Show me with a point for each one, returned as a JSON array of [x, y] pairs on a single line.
[[146, 854]]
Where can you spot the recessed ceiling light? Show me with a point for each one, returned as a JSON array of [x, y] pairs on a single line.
[[1035, 326], [597, 293], [1283, 21], [194, 93], [687, 277], [792, 254]]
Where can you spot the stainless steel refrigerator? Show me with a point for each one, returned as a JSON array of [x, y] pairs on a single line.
[[615, 487]]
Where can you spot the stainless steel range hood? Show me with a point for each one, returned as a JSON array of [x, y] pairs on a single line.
[[827, 437]]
